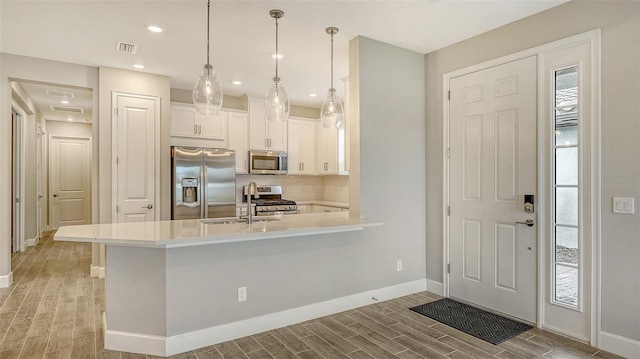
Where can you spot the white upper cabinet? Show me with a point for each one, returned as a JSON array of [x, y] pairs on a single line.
[[239, 139], [189, 128], [327, 156], [302, 146], [263, 134]]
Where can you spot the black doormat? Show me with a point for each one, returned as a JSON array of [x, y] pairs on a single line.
[[481, 324]]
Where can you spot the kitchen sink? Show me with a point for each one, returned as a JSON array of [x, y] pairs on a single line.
[[233, 220]]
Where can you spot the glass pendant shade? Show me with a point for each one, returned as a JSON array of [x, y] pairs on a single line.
[[207, 93], [277, 102], [331, 111]]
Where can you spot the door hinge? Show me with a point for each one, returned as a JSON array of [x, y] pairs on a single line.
[[117, 160], [448, 152], [448, 210], [448, 95], [115, 111], [117, 208], [448, 267]]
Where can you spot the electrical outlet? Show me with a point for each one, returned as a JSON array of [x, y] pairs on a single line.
[[399, 266], [242, 294]]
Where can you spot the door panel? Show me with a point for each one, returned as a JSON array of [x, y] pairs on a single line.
[[136, 161], [493, 164], [70, 171]]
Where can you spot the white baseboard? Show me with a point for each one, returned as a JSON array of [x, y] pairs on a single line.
[[94, 271], [620, 345], [166, 346], [435, 287], [31, 242], [6, 280], [101, 272]]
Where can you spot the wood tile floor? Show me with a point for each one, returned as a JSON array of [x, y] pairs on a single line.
[[53, 310]]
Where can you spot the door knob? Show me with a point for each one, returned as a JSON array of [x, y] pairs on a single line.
[[149, 206], [55, 195], [529, 222]]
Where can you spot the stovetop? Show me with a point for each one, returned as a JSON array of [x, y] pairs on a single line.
[[272, 202]]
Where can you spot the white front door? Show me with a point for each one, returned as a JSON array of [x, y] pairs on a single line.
[[492, 166], [136, 147], [70, 176]]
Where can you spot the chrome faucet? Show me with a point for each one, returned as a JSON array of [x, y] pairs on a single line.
[[251, 187]]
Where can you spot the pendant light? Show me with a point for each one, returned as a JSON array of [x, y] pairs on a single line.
[[277, 101], [207, 93], [331, 110]]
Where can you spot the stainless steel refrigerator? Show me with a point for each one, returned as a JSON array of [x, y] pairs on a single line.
[[204, 183]]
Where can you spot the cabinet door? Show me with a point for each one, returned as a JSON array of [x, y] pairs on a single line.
[[183, 121], [294, 160], [239, 139], [327, 150], [257, 125], [213, 127], [308, 147], [277, 135]]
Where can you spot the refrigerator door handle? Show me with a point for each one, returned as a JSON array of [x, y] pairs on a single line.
[[204, 199]]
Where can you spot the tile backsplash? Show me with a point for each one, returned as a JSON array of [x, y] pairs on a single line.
[[301, 188]]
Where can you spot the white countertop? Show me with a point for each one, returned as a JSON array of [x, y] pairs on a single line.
[[192, 232]]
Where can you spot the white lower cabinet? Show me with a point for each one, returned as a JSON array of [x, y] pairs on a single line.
[[317, 208]]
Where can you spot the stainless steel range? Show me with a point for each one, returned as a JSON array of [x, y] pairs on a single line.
[[270, 202]]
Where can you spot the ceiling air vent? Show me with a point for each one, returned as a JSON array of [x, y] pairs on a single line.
[[127, 47], [60, 93], [66, 109]]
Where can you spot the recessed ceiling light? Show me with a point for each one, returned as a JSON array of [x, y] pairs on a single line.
[[236, 82], [154, 28], [138, 66], [277, 55], [64, 102], [313, 94]]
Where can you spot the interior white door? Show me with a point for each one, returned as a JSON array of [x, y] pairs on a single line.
[[136, 165], [492, 166], [70, 176]]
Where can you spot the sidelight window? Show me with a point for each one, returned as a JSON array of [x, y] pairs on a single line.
[[566, 259]]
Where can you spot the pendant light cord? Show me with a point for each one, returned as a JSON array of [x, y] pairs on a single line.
[[277, 55], [208, 15], [332, 60]]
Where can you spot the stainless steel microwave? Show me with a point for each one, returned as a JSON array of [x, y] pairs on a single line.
[[268, 162]]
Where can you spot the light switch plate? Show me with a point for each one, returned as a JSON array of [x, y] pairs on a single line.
[[624, 205]]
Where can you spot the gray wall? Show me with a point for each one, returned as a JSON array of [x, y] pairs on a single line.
[[391, 172], [132, 82], [620, 24]]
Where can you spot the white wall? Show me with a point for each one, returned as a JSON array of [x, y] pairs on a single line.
[[620, 24], [31, 69]]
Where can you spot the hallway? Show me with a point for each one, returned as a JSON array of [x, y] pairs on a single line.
[[53, 310]]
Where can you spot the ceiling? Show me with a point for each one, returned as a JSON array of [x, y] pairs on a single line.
[[243, 35], [61, 103]]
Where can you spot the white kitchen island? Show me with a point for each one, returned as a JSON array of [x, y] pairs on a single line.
[[173, 286]]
